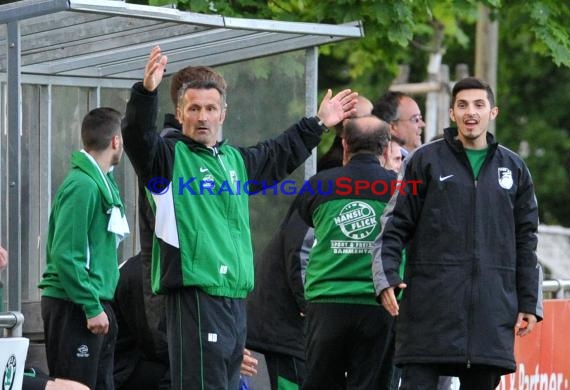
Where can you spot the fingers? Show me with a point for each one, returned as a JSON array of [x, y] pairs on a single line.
[[525, 324], [153, 57], [99, 329], [389, 301], [334, 109], [153, 61], [247, 370], [347, 100], [345, 94], [248, 364], [99, 324], [154, 69]]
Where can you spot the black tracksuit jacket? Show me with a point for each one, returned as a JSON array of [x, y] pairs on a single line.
[[471, 264]]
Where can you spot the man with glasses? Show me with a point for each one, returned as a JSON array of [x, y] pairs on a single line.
[[404, 116]]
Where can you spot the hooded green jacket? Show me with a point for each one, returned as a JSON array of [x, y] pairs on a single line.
[[82, 264]]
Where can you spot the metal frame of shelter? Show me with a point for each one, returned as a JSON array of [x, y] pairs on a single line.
[[105, 43]]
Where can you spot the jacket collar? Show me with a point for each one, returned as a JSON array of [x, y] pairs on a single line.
[[109, 191], [450, 135], [105, 182], [366, 158]]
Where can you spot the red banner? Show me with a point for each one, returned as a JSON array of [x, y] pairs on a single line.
[[543, 356]]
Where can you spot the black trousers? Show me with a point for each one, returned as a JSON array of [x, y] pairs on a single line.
[[346, 344], [286, 372], [147, 375], [425, 376], [206, 338], [73, 352], [390, 374]]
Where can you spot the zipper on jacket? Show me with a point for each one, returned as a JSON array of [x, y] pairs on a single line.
[[473, 268], [216, 153], [230, 204]]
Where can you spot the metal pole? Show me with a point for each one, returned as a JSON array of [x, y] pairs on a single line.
[[311, 77], [14, 209], [486, 50], [12, 322]]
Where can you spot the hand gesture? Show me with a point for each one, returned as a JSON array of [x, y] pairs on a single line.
[[338, 108], [98, 324], [154, 69], [389, 301], [248, 364]]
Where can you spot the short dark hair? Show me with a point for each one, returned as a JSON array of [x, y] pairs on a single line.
[[202, 77], [366, 134], [472, 83], [386, 108], [99, 127]]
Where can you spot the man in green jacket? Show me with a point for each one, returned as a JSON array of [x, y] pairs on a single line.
[[346, 329], [86, 223], [202, 256]]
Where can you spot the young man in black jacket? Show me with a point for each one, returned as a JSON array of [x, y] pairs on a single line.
[[472, 280]]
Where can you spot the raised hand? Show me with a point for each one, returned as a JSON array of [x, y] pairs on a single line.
[[154, 69], [338, 108]]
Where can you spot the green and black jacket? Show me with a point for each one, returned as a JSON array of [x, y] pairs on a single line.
[[346, 218], [200, 199], [81, 256]]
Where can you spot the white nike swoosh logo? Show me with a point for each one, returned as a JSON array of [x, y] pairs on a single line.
[[443, 178], [203, 169]]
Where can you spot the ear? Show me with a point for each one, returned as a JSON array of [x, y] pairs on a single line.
[[451, 115], [223, 114], [345, 152], [116, 141], [494, 112], [178, 114]]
